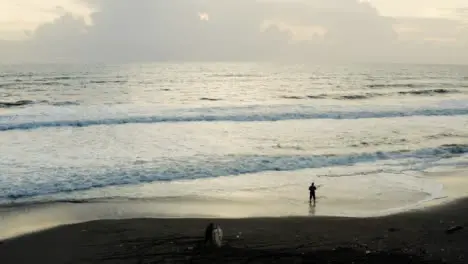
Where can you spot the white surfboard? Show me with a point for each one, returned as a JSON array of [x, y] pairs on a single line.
[[217, 236]]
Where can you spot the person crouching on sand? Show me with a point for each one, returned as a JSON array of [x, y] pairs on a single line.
[[312, 189]]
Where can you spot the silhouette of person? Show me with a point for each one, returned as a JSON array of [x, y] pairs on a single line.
[[312, 189]]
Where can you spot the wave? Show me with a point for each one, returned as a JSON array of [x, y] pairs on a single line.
[[107, 81], [210, 99], [55, 81], [22, 84], [16, 103], [358, 96], [64, 103], [21, 103], [391, 85], [446, 135], [266, 115], [197, 167], [61, 78], [428, 92], [6, 85], [416, 85], [16, 74], [238, 75], [293, 97], [66, 78]]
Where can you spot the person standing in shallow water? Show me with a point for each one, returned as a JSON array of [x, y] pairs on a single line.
[[312, 189]]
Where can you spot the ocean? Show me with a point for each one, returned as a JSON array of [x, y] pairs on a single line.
[[230, 139]]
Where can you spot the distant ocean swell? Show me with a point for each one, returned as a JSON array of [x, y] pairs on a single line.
[[356, 96], [363, 96], [57, 181], [59, 81], [20, 85], [428, 92], [24, 103], [417, 85], [20, 103], [211, 116], [373, 82]]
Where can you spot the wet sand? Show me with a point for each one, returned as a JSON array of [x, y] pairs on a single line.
[[413, 237], [363, 196]]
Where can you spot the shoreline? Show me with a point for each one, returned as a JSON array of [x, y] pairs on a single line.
[[23, 219], [421, 236]]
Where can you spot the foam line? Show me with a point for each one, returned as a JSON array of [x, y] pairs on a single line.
[[53, 182], [259, 116]]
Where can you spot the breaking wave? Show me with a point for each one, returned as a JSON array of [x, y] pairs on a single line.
[[211, 115], [58, 181]]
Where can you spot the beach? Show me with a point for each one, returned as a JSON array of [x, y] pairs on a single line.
[[433, 235], [128, 163], [307, 131]]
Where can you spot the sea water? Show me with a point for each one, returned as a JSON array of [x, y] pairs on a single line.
[[228, 139]]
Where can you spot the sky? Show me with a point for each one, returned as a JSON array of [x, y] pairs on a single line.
[[408, 31]]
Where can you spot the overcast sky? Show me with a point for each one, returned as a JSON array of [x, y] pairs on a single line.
[[415, 31]]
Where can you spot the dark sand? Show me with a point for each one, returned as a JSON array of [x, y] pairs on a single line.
[[415, 237]]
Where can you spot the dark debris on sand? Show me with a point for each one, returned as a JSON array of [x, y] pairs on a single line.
[[191, 250]]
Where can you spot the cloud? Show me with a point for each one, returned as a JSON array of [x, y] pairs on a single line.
[[352, 28], [429, 28], [313, 30], [59, 40], [462, 12], [160, 30]]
